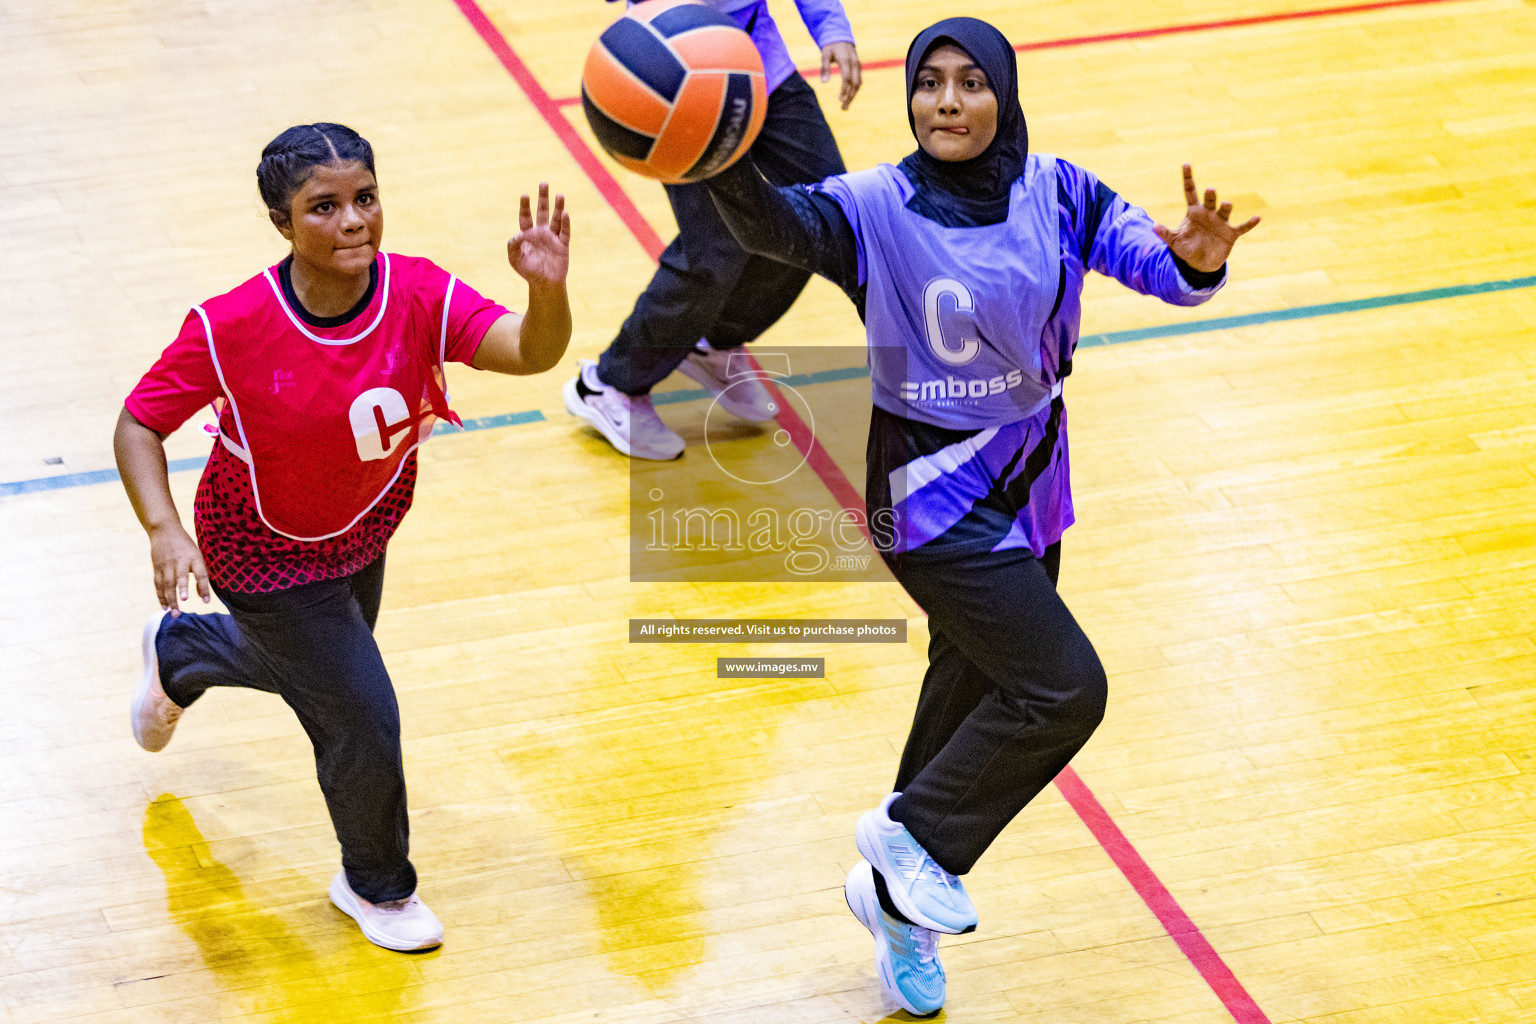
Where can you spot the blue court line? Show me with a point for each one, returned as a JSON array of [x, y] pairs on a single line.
[[95, 476], [506, 419], [104, 476], [101, 476]]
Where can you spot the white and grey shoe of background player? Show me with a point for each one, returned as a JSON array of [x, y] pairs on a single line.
[[629, 422], [741, 395], [401, 925], [152, 714], [906, 956]]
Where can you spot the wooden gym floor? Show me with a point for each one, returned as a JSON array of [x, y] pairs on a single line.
[[1305, 552]]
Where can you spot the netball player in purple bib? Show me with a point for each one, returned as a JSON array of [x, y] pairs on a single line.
[[966, 262]]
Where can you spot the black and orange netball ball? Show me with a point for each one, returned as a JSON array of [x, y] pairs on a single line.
[[674, 90]]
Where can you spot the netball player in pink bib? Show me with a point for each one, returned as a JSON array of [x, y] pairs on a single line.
[[327, 372]]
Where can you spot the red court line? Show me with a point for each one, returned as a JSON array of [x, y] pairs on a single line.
[[1144, 33], [1208, 26], [1136, 870], [1160, 901]]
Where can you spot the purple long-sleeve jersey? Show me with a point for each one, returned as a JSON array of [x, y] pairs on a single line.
[[1005, 483], [968, 467], [1119, 243]]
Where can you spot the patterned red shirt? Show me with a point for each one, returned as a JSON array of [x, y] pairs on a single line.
[[242, 553]]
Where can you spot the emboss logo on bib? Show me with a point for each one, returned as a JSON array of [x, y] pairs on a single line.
[[948, 389], [380, 422]]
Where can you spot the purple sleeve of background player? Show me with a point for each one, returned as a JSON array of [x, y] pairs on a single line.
[[826, 20], [1115, 238]]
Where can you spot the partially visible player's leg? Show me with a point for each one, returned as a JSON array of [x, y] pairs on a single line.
[[1014, 691], [329, 670], [952, 688], [313, 645], [1047, 697], [318, 644], [199, 652], [196, 652], [185, 655], [906, 953], [692, 283], [367, 586]]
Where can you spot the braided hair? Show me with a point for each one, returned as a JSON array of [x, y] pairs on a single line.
[[289, 159]]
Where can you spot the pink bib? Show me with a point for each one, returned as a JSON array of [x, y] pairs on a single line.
[[324, 423]]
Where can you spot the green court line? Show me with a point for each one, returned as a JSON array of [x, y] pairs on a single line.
[[794, 380], [101, 476], [1304, 312]]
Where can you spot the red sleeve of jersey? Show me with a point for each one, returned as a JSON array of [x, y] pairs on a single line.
[[470, 316], [180, 383]]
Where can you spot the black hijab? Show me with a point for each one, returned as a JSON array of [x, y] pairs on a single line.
[[970, 193]]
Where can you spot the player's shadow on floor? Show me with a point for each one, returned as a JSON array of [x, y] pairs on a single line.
[[261, 966]]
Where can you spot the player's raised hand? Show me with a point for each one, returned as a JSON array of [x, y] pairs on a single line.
[[846, 57], [541, 251], [1206, 236]]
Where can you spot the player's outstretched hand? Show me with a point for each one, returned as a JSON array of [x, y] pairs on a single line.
[[846, 57], [541, 251], [1205, 238]]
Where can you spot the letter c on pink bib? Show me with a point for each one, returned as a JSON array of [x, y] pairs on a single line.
[[380, 422]]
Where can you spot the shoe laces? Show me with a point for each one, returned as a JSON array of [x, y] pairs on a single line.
[[643, 413], [927, 942], [916, 865], [914, 940]]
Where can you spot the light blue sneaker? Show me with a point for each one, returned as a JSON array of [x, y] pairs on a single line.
[[926, 893], [906, 955]]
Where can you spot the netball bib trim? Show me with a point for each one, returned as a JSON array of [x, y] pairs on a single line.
[[442, 338], [243, 450], [303, 329]]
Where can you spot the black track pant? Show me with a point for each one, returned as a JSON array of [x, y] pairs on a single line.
[[707, 286], [1013, 691], [313, 646]]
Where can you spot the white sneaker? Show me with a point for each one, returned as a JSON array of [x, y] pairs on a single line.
[[152, 714], [927, 894], [402, 925], [629, 422], [740, 393]]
